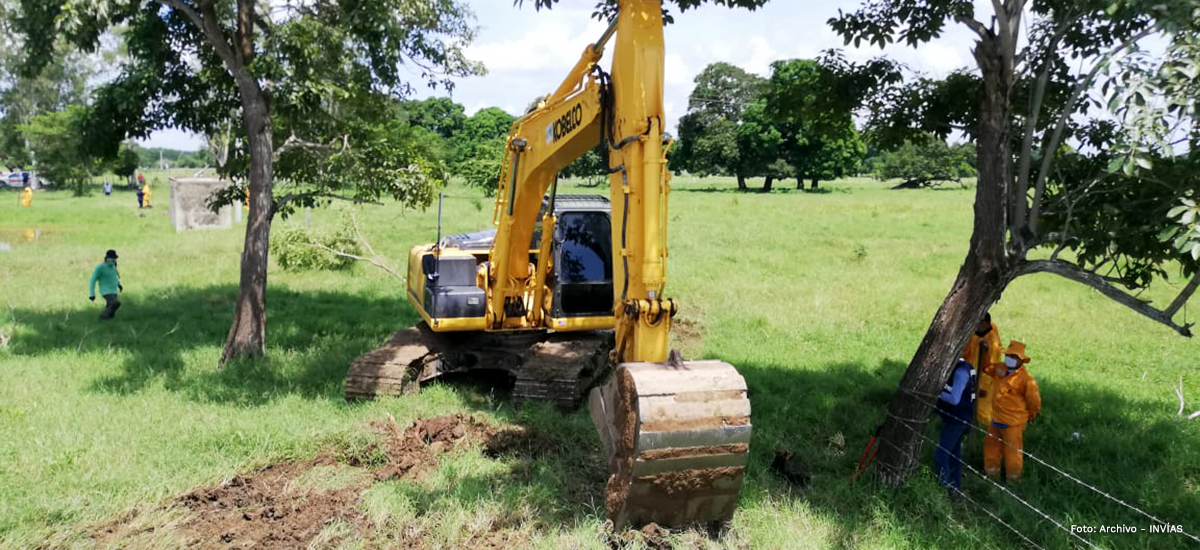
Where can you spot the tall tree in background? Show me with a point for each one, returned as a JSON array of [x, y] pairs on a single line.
[[1030, 194], [312, 69], [23, 95], [708, 133], [813, 104]]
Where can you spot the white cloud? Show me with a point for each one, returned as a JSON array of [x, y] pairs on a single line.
[[555, 42], [676, 72]]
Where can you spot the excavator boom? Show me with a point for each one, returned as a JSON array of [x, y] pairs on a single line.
[[676, 432]]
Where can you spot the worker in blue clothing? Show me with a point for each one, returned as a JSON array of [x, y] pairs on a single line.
[[956, 406], [109, 280]]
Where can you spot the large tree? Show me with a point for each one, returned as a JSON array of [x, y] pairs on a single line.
[[23, 96], [1098, 213], [812, 103], [305, 78], [708, 133]]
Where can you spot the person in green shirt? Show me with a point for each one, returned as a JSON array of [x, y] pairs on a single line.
[[109, 281]]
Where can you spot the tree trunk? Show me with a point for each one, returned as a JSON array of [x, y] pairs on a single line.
[[813, 187], [741, 179], [981, 280], [766, 188], [800, 183], [247, 335]]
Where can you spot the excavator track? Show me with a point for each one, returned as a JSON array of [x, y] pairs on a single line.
[[677, 438], [556, 368], [676, 435]]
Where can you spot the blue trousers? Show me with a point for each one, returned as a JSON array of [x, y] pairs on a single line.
[[947, 458]]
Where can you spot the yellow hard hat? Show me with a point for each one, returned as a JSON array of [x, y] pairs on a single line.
[[1018, 349]]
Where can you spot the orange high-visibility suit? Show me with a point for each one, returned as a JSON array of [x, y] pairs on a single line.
[[27, 197], [983, 395], [1016, 402]]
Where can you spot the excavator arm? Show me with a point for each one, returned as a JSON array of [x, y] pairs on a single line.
[[677, 432]]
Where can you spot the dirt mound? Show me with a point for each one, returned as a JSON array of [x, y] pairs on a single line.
[[292, 504], [411, 452], [263, 510]]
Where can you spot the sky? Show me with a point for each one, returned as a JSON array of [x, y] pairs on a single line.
[[527, 52]]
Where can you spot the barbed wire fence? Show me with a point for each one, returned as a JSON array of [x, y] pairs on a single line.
[[912, 425], [1106, 494]]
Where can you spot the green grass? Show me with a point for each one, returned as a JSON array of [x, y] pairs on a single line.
[[818, 299]]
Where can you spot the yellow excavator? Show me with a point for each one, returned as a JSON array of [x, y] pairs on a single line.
[[568, 291]]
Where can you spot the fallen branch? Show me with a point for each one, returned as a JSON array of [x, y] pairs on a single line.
[[375, 259], [1101, 283], [1179, 393]]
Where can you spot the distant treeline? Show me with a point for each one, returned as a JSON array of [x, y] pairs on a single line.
[[159, 157]]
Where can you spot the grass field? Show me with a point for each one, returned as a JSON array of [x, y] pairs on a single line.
[[818, 299]]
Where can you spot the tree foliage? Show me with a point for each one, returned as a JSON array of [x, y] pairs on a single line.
[[55, 139], [307, 81], [1050, 74], [813, 108], [708, 133], [927, 162]]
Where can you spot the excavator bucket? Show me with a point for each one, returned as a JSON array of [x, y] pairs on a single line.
[[677, 439]]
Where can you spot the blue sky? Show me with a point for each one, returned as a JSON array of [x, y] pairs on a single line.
[[527, 52]]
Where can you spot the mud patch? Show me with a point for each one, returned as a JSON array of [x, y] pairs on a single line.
[[282, 506]]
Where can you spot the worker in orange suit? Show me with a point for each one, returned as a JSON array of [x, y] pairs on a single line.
[[27, 197], [146, 193], [1016, 401], [983, 349]]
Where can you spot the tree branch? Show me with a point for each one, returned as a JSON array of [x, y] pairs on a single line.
[[358, 236], [279, 204], [1184, 295], [371, 261], [205, 21], [1179, 393], [978, 28], [1049, 154], [293, 142], [1075, 273]]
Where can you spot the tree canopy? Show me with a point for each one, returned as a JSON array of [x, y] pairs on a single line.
[[1046, 70], [307, 82]]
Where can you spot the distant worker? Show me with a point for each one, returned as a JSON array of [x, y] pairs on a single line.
[[141, 180], [108, 188], [956, 406], [983, 349], [109, 280], [27, 197], [146, 194], [1016, 402], [141, 197]]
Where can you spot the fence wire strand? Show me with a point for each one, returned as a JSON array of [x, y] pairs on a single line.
[[1050, 466]]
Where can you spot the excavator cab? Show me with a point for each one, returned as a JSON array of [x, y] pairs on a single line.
[[582, 274], [449, 291]]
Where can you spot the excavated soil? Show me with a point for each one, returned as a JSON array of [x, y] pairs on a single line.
[[290, 505], [273, 508]]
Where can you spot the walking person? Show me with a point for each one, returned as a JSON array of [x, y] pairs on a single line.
[[956, 406], [1017, 401], [109, 280], [145, 193], [108, 188], [27, 197]]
